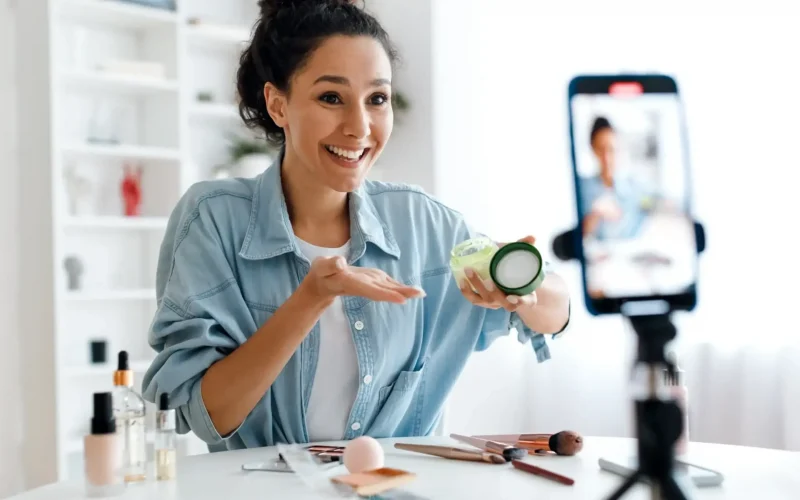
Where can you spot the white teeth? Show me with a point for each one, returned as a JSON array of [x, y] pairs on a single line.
[[345, 153]]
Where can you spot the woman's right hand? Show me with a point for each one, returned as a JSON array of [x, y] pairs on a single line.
[[331, 276]]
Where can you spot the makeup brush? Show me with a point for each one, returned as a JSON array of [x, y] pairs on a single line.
[[453, 453], [507, 451], [561, 443]]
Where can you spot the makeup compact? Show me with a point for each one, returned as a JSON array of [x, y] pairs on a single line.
[[376, 481], [516, 268]]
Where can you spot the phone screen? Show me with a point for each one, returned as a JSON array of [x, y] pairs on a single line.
[[632, 187]]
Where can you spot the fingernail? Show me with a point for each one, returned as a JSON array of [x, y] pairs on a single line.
[[489, 285], [513, 299], [339, 263], [421, 291]]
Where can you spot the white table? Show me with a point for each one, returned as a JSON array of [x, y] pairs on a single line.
[[749, 473]]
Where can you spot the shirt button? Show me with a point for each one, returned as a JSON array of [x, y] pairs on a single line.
[[356, 426], [359, 325], [368, 379]]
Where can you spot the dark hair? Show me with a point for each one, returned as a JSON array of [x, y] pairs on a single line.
[[600, 123], [285, 36]]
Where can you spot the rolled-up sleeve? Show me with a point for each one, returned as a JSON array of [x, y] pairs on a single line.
[[200, 318]]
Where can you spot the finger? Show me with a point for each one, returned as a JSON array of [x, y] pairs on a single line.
[[518, 301], [474, 298], [409, 291], [477, 284], [350, 283], [527, 239], [379, 293]]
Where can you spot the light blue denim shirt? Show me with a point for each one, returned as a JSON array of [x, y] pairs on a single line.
[[230, 259]]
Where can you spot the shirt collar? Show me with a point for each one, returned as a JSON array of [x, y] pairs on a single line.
[[270, 233]]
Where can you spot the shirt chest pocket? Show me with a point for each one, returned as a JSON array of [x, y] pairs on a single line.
[[400, 405]]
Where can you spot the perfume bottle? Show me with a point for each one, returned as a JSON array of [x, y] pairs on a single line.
[[103, 451], [129, 411], [165, 440]]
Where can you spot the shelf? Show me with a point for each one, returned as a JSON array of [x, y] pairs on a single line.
[[123, 152], [113, 13], [214, 111], [118, 82], [117, 295], [113, 222], [217, 35]]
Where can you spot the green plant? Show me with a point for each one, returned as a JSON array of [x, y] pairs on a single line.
[[240, 147], [400, 101]]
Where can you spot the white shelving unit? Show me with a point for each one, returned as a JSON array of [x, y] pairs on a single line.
[[84, 115]]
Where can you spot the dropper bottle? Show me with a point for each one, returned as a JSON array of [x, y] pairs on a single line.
[[165, 440], [129, 411]]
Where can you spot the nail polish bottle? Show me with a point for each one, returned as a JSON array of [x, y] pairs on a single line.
[[165, 440], [103, 451]]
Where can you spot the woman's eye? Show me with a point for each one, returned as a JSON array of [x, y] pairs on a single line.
[[379, 99], [330, 99]]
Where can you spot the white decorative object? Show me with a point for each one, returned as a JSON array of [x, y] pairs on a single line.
[[79, 191]]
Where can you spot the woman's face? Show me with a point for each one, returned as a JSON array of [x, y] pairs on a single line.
[[338, 114], [604, 147]]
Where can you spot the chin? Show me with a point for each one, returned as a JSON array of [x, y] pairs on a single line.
[[346, 185]]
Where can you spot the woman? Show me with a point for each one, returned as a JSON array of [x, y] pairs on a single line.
[[612, 203], [291, 306]]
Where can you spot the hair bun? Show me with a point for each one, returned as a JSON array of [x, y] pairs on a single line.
[[270, 7]]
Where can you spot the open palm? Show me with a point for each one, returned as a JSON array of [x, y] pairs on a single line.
[[335, 277]]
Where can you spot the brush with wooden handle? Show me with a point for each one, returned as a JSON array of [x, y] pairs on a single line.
[[453, 453], [566, 443]]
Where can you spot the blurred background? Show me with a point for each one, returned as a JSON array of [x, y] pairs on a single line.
[[111, 109]]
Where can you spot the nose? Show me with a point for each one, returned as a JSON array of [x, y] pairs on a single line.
[[357, 122]]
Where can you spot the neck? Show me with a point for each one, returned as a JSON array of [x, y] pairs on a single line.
[[319, 215], [607, 179]]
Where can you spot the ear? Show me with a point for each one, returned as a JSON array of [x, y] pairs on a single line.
[[276, 104]]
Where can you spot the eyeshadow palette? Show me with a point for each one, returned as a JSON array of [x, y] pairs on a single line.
[[325, 453]]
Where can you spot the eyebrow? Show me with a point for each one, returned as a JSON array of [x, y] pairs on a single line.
[[340, 80]]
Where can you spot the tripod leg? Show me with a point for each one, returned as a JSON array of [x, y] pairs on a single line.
[[670, 489], [632, 479]]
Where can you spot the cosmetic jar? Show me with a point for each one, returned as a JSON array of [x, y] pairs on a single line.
[[515, 268]]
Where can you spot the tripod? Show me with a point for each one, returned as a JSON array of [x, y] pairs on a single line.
[[658, 418]]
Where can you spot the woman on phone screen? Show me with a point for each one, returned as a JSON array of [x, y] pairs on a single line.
[[291, 305]]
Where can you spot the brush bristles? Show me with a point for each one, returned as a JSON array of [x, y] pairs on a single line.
[[568, 443]]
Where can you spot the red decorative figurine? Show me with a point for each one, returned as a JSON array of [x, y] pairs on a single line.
[[132, 190]]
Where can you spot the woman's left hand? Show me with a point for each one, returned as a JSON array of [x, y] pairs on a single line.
[[486, 293]]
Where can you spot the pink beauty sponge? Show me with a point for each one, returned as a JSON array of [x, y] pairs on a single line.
[[362, 454]]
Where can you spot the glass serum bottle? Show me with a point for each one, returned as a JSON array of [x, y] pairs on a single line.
[[165, 440], [129, 412]]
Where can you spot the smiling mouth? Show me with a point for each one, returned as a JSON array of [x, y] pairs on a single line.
[[347, 155]]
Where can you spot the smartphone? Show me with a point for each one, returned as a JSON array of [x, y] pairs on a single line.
[[701, 477], [636, 234]]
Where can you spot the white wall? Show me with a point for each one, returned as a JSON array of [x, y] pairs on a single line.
[[10, 417], [408, 157], [502, 157]]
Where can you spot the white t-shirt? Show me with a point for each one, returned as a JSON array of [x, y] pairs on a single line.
[[336, 380]]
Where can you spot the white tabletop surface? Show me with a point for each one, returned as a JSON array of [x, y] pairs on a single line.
[[749, 473]]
